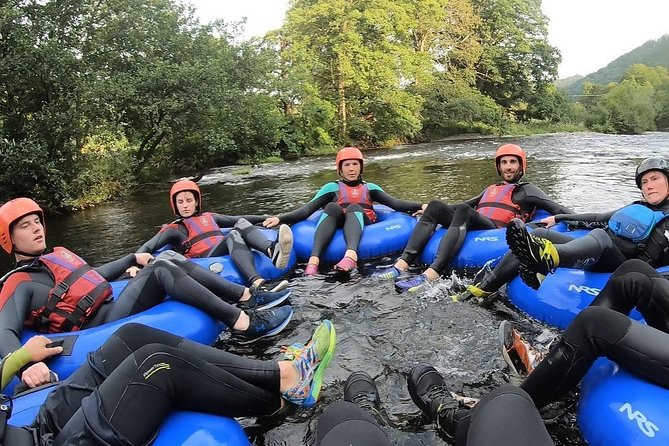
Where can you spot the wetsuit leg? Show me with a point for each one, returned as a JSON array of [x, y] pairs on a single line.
[[242, 256], [637, 284], [331, 219], [596, 332], [436, 213], [18, 436], [505, 416], [594, 248], [131, 404], [507, 268], [162, 277], [253, 236], [65, 400], [464, 218], [355, 220], [344, 423], [229, 291]]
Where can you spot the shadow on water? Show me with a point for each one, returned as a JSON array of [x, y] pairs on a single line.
[[379, 331]]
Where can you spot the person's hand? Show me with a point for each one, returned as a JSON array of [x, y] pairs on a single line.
[[420, 211], [37, 374], [38, 350], [270, 222], [548, 221], [132, 271], [143, 258]]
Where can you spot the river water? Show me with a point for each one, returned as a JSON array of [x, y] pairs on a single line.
[[380, 331]]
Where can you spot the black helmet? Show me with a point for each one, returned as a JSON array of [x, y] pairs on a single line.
[[649, 164]]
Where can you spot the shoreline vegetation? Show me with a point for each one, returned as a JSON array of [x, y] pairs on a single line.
[[128, 94]]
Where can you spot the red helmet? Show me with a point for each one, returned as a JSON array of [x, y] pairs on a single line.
[[183, 186], [12, 211], [349, 153], [511, 149]]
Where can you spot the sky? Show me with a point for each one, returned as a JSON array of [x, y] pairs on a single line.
[[588, 33]]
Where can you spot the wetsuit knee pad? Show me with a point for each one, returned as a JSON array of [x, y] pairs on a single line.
[[171, 255], [602, 238], [460, 214], [236, 235], [333, 209], [160, 265], [434, 206], [243, 226], [354, 207]]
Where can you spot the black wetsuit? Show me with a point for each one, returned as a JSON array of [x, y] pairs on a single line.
[[181, 279], [353, 219], [600, 250], [242, 236], [505, 417], [461, 217], [604, 329], [126, 389]]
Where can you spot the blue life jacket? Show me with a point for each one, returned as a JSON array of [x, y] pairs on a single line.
[[635, 222]]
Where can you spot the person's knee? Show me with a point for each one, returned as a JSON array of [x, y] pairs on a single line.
[[153, 352], [130, 332], [598, 323], [333, 209], [602, 238], [170, 255], [634, 266], [242, 224], [355, 207]]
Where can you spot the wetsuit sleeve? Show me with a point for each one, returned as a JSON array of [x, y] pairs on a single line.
[[530, 196], [113, 270], [378, 195], [473, 202], [11, 364], [228, 221], [323, 197], [589, 217], [170, 235], [16, 303]]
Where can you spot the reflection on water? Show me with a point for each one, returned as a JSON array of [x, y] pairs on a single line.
[[379, 331]]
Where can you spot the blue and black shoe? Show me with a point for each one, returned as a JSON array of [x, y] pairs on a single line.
[[412, 285], [264, 323], [262, 300], [390, 273]]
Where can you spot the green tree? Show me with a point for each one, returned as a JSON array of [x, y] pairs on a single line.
[[517, 62]]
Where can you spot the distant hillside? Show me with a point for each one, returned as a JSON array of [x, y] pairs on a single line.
[[652, 53]]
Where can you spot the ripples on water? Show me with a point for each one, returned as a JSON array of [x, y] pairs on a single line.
[[380, 331]]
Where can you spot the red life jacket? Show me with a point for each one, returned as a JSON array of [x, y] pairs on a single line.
[[496, 204], [356, 194], [203, 235], [78, 293]]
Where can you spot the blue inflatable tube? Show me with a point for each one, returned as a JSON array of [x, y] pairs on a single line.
[[226, 269], [480, 246], [616, 407], [179, 429], [561, 296], [388, 235], [174, 317]]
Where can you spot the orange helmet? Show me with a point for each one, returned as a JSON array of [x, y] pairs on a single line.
[[511, 149], [12, 211], [349, 153], [183, 186]]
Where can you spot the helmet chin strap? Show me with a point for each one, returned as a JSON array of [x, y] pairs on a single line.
[[26, 254]]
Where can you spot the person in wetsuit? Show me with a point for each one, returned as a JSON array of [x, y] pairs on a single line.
[[346, 202], [603, 329], [125, 389], [602, 250], [492, 208], [57, 291], [198, 234]]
